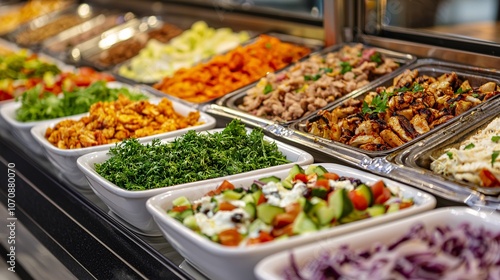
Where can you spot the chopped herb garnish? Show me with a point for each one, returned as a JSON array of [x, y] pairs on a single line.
[[378, 104], [495, 138], [470, 146], [192, 157], [376, 57], [312, 78], [359, 54], [326, 70], [475, 95], [268, 88], [461, 90], [346, 67], [307, 77], [417, 87], [403, 89], [494, 157], [268, 45], [450, 155]]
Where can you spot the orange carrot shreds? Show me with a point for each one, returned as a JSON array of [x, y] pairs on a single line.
[[235, 69], [110, 122]]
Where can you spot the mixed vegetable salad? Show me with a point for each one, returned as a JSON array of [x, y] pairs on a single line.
[[272, 208]]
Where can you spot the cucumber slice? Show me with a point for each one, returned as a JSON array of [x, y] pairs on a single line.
[[310, 169], [266, 212], [190, 222], [256, 196], [354, 216], [366, 192], [256, 226], [287, 183], [340, 201], [325, 215], [320, 170], [270, 179], [319, 192], [376, 210], [251, 210], [394, 207], [303, 224], [248, 198], [231, 195], [296, 169], [181, 201]]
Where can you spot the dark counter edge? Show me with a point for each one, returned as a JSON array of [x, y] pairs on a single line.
[[79, 234]]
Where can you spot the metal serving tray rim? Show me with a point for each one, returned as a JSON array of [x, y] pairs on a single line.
[[461, 69], [228, 100]]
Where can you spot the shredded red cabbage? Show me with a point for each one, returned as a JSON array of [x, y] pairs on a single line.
[[464, 252]]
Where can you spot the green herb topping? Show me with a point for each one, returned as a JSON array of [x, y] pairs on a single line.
[[268, 88], [495, 138], [192, 157], [450, 155], [376, 57], [346, 67], [470, 146], [378, 104], [461, 90], [494, 156]]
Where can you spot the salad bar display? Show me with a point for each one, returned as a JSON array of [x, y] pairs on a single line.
[[227, 152]]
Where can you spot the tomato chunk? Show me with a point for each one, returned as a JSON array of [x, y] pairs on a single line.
[[301, 177], [377, 188], [180, 208], [262, 199], [283, 219], [359, 201], [226, 206], [226, 185], [323, 183], [331, 176], [489, 179], [386, 194], [230, 237]]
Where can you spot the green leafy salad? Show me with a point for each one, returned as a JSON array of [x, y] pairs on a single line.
[[37, 105], [189, 158]]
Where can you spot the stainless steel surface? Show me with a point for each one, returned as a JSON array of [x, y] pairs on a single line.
[[52, 45], [476, 76], [229, 104], [419, 157], [84, 12]]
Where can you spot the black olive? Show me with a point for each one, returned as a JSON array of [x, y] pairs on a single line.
[[236, 218]]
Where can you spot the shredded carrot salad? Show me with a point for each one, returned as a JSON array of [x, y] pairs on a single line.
[[235, 69]]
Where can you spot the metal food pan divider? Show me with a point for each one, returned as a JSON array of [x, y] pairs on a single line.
[[228, 105]]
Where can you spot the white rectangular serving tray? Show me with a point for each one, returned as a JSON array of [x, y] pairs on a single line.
[[131, 205], [220, 262], [65, 159], [271, 268]]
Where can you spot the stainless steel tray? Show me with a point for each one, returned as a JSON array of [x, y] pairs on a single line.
[[141, 37], [314, 45], [83, 52], [82, 13], [229, 104], [60, 45], [417, 159], [476, 76]]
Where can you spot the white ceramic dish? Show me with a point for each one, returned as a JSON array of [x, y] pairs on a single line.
[[65, 159], [131, 205], [22, 129], [271, 268], [220, 262]]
